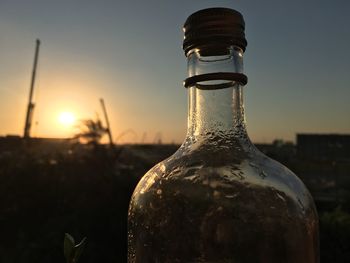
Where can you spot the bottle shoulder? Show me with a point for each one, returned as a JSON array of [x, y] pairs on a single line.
[[225, 178], [224, 200], [230, 165]]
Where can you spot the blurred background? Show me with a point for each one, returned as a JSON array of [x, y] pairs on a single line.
[[106, 103]]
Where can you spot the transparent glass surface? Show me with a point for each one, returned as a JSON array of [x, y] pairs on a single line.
[[218, 199]]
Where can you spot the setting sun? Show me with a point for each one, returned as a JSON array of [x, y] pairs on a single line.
[[66, 118]]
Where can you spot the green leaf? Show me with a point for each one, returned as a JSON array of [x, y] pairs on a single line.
[[79, 249], [68, 247]]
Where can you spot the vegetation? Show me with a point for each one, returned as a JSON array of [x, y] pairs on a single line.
[[335, 236], [47, 190], [45, 193], [91, 131], [72, 251]]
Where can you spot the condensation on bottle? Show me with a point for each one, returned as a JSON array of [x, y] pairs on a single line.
[[218, 199]]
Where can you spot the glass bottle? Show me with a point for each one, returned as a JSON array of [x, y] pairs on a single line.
[[218, 198]]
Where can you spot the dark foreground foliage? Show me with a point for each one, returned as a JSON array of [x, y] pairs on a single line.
[[85, 191], [335, 236]]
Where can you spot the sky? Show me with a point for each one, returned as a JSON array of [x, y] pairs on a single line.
[[130, 53]]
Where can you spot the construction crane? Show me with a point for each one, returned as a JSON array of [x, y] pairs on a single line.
[[144, 137], [158, 138], [30, 107], [107, 122]]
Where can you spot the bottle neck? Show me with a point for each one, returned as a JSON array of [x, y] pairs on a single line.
[[215, 113]]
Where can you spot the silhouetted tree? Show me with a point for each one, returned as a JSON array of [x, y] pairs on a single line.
[[91, 131]]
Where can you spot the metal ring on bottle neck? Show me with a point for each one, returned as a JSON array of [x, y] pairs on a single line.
[[237, 77]]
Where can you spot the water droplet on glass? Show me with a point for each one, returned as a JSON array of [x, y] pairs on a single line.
[[301, 205], [253, 165], [231, 196], [216, 194], [262, 174], [280, 197]]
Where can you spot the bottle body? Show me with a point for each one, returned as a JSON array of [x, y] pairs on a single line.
[[234, 208], [218, 199]]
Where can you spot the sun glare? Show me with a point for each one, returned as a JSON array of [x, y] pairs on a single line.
[[66, 118]]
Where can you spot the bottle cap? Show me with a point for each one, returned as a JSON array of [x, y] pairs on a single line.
[[214, 28]]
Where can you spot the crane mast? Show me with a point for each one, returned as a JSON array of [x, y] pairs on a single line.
[[30, 107], [107, 121]]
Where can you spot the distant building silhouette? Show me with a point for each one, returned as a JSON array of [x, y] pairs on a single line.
[[279, 150], [323, 146]]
